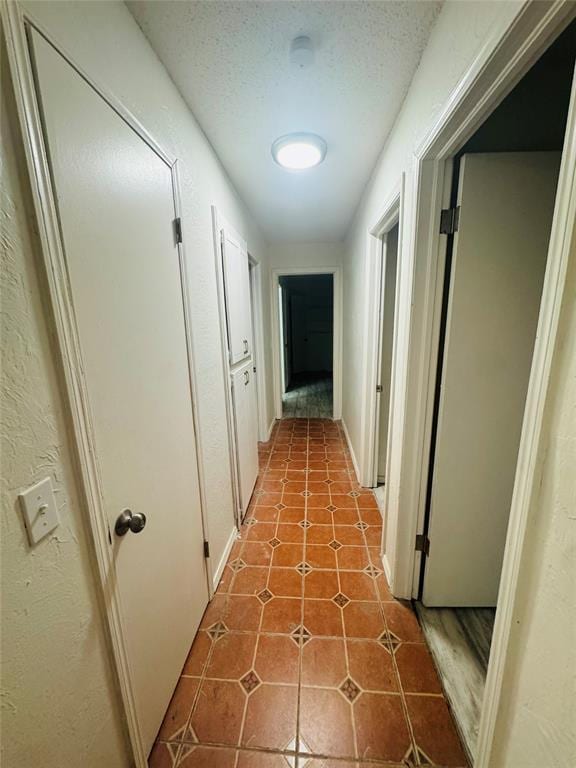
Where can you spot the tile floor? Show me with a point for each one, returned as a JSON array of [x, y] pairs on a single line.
[[310, 397], [303, 658]]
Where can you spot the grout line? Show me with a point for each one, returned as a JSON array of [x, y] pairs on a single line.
[[305, 452]]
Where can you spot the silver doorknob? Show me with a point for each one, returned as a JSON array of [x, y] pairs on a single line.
[[128, 521]]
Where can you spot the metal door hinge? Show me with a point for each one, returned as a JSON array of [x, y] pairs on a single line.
[[422, 544], [449, 219], [206, 549], [378, 387], [178, 229]]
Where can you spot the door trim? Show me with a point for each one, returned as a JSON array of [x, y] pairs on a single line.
[[275, 276], [390, 215], [503, 60], [255, 272], [16, 22], [219, 223]]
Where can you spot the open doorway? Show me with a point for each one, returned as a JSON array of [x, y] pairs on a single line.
[[497, 229], [307, 341]]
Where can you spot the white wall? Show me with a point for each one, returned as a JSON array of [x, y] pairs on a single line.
[[286, 255], [455, 40], [60, 699], [536, 721]]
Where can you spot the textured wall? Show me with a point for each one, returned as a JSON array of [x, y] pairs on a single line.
[[536, 721], [58, 694], [59, 705], [106, 41]]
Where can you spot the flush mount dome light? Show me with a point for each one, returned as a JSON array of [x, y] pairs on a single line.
[[298, 151]]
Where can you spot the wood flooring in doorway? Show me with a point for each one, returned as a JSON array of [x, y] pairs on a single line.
[[303, 658]]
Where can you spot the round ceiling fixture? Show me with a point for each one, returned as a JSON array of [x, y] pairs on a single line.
[[299, 151]]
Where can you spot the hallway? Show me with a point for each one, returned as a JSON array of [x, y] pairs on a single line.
[[309, 397], [303, 655]]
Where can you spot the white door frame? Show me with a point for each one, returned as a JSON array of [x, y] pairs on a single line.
[[499, 66], [258, 344], [15, 22], [336, 272], [388, 217], [219, 224]]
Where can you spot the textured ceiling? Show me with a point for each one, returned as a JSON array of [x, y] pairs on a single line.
[[230, 61]]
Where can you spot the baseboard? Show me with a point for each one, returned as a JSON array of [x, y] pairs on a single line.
[[224, 559], [270, 428], [387, 569], [351, 449]]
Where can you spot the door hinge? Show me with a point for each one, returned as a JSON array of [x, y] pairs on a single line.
[[178, 229], [422, 544], [206, 549], [378, 387], [449, 219]]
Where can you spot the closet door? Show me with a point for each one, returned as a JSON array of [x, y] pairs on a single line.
[[237, 291], [244, 395], [116, 210]]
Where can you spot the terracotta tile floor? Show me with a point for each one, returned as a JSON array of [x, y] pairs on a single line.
[[303, 658]]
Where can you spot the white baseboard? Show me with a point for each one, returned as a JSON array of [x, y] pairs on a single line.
[[217, 575], [270, 428], [387, 569], [354, 460]]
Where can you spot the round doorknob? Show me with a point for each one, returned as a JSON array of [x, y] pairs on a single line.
[[129, 521]]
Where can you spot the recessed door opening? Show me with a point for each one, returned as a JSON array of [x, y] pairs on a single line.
[[385, 350], [306, 305], [503, 195]]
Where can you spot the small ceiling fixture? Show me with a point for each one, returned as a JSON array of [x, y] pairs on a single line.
[[298, 151], [301, 52]]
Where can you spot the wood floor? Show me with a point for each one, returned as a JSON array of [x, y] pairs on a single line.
[[459, 639], [309, 397]]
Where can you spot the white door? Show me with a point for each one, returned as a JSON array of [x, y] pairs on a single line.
[[499, 259], [116, 207], [246, 427], [388, 302], [237, 291]]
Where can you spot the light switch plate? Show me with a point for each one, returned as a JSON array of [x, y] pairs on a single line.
[[39, 510]]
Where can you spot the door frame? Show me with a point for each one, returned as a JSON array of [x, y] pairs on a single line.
[[275, 276], [219, 223], [16, 21], [390, 214], [255, 273], [503, 60]]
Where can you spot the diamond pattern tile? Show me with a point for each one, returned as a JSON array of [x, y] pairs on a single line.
[[350, 689], [216, 631], [371, 570], [341, 600], [300, 635], [303, 657], [250, 682]]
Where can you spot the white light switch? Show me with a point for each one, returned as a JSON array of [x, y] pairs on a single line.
[[39, 510]]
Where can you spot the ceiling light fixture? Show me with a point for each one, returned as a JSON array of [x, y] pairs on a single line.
[[299, 151]]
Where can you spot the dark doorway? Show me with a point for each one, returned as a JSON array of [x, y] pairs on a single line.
[[307, 306]]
